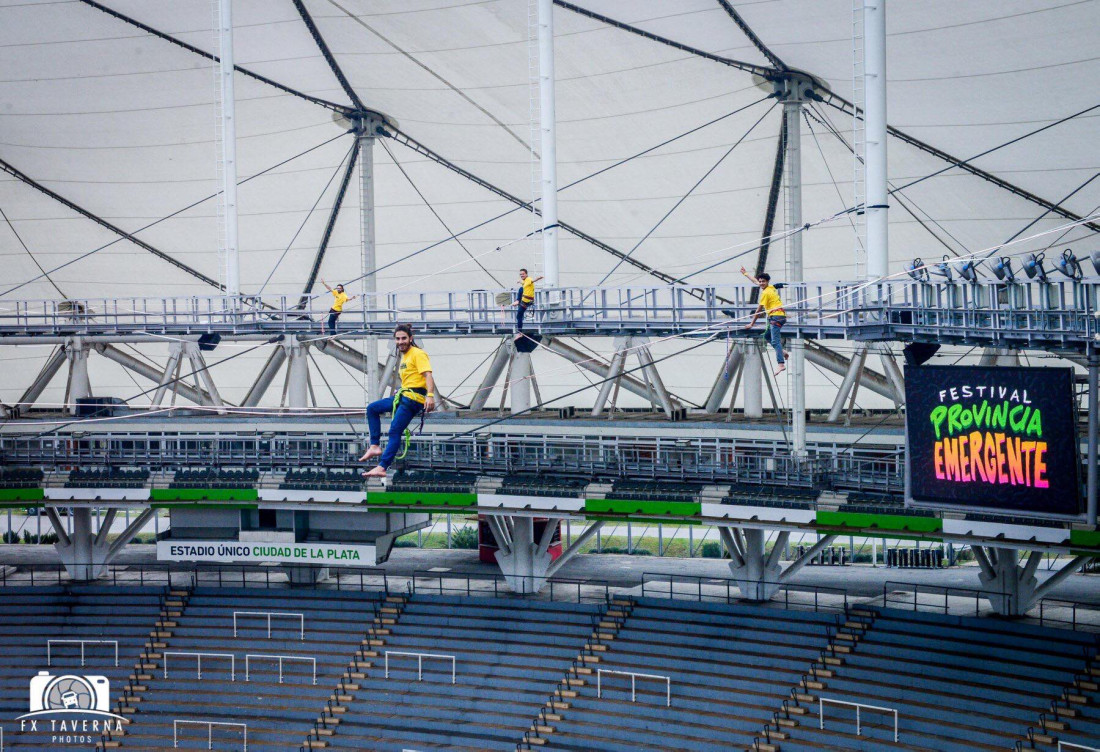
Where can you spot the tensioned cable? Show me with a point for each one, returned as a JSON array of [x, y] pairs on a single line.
[[1035, 221], [691, 190], [530, 204], [169, 216], [435, 214], [28, 250], [309, 214]]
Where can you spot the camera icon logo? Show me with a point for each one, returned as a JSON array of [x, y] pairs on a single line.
[[69, 692]]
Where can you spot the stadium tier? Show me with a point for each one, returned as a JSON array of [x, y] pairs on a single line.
[[306, 668]]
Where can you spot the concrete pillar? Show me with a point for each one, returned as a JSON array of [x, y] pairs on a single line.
[[521, 382], [298, 378]]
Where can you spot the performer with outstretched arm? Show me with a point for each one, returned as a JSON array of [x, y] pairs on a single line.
[[772, 306], [339, 297]]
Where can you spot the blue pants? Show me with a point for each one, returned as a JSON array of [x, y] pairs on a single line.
[[521, 310], [332, 316], [775, 323], [407, 409]]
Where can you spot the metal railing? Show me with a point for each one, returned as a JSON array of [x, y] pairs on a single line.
[[695, 459], [858, 706], [1082, 616], [722, 590], [1053, 312], [895, 595], [1064, 746], [198, 662], [51, 643], [495, 585], [420, 662], [280, 658], [209, 730], [301, 620], [634, 676]]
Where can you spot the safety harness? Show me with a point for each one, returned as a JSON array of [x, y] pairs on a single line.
[[401, 391]]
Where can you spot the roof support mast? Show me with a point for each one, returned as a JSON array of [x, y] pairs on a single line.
[[874, 75], [549, 143], [229, 148], [792, 113]]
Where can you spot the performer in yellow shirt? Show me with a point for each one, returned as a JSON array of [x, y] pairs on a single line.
[[416, 396], [525, 297], [339, 297], [772, 306]]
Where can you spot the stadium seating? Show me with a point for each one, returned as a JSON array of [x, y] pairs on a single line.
[[108, 477], [20, 477], [433, 481], [644, 490], [215, 478], [322, 480], [541, 484], [730, 668], [278, 714], [959, 684], [32, 615], [509, 657]]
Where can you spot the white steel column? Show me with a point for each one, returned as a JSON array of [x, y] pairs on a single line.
[[298, 374], [229, 149], [874, 76], [792, 110], [80, 385], [753, 381], [549, 143], [520, 378], [370, 281]]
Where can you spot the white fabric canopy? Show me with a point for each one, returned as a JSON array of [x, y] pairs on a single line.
[[123, 123]]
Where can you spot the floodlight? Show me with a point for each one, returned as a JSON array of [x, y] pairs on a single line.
[[918, 271], [1033, 267], [943, 269], [967, 272], [1002, 269], [1068, 265]]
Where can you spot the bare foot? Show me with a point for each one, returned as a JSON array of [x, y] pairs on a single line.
[[375, 472], [373, 451], [781, 369]]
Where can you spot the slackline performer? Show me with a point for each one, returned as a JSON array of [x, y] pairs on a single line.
[[525, 297], [775, 315], [339, 297], [416, 396]]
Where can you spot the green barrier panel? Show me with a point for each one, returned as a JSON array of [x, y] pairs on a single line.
[[645, 521], [1085, 537], [648, 508], [22, 494], [205, 494], [416, 499], [883, 522]]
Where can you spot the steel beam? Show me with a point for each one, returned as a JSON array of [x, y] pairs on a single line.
[[614, 375], [838, 364], [726, 376], [267, 375], [161, 378], [848, 383], [79, 385], [568, 554], [590, 364], [42, 380], [649, 368], [492, 376]]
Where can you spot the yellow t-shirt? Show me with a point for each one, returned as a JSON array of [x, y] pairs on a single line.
[[339, 298], [414, 364], [528, 294], [773, 306]]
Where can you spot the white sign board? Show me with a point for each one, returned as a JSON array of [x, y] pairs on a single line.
[[248, 552]]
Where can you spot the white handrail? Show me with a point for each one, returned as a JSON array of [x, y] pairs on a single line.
[[209, 730], [269, 614], [633, 683], [420, 662], [49, 646], [280, 658], [1071, 746], [857, 705], [198, 662]]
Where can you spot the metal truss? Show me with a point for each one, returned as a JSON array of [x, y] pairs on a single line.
[[1033, 315]]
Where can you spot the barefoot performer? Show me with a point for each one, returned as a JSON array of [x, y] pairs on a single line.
[[415, 397], [776, 316]]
